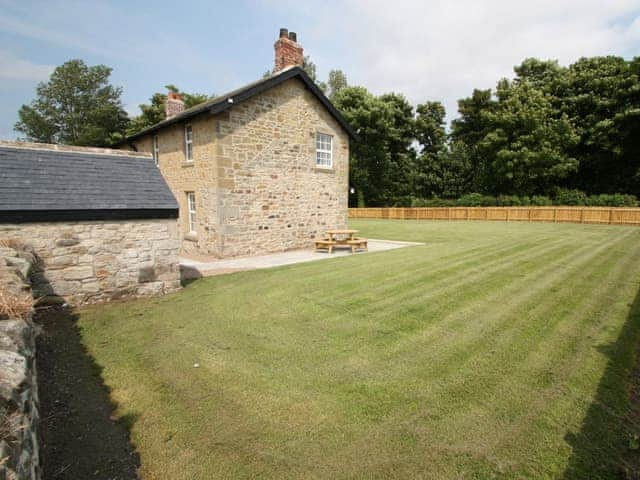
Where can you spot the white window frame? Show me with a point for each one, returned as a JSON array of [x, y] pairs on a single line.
[[155, 149], [324, 150], [188, 143], [191, 211]]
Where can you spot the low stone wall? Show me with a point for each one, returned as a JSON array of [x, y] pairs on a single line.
[[19, 457], [96, 261]]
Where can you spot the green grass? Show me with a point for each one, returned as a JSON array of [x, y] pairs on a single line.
[[496, 350]]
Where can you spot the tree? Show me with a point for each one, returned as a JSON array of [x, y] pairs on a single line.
[[431, 137], [337, 81], [310, 68], [526, 146], [470, 128], [602, 100], [382, 166], [545, 75], [77, 106], [154, 111], [430, 127]]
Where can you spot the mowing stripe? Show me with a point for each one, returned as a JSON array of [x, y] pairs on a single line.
[[453, 320]]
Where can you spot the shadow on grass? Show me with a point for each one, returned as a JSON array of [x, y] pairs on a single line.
[[80, 439], [604, 448]]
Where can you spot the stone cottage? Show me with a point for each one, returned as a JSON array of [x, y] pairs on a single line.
[[263, 168], [102, 223]]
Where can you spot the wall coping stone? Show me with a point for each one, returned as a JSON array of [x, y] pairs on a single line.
[[73, 149]]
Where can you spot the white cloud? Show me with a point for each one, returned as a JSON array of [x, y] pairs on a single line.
[[442, 49], [13, 68]]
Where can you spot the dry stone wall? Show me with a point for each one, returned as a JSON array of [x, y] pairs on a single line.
[[19, 453], [89, 262]]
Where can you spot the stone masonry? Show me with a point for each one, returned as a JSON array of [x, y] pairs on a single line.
[[95, 261], [19, 417], [254, 175]]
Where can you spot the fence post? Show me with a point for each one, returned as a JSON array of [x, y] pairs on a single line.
[[555, 214], [610, 216], [582, 215]]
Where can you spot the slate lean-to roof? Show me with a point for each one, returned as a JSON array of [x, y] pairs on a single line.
[[48, 185], [228, 100]]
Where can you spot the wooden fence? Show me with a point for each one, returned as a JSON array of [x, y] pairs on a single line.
[[605, 215]]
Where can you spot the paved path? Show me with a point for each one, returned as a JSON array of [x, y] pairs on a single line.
[[191, 268]]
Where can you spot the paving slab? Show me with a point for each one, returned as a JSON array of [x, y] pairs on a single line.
[[204, 267]]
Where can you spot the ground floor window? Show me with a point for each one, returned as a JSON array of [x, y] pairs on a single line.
[[191, 201]]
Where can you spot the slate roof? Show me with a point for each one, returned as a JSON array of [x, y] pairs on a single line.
[[49, 185], [228, 100]]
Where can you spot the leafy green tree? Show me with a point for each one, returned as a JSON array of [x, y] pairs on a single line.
[[470, 128], [337, 81], [382, 159], [154, 111], [399, 137], [545, 75], [310, 68], [430, 129], [526, 145], [77, 106], [602, 100], [430, 134]]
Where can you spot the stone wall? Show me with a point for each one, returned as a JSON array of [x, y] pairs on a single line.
[[95, 261], [19, 453], [254, 174]]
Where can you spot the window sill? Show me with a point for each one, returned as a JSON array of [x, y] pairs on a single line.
[[324, 169], [187, 164], [191, 237]]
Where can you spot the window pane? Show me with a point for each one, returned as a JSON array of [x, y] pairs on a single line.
[[323, 150]]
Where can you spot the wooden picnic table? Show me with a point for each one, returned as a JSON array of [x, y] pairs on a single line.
[[341, 237]]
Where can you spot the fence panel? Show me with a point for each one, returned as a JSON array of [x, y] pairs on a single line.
[[595, 215]]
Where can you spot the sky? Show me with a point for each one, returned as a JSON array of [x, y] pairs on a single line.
[[425, 49]]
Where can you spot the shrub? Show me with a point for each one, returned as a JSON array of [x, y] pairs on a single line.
[[570, 197], [612, 200], [507, 201], [432, 202], [541, 201], [470, 200]]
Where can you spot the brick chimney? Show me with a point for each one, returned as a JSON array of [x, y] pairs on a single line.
[[288, 51], [174, 105]]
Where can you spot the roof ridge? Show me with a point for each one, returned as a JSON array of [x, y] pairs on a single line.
[[72, 149], [225, 101]]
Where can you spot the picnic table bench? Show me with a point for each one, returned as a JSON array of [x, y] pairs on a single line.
[[341, 238]]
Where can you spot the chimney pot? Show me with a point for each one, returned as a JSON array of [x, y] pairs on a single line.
[[284, 32], [293, 36]]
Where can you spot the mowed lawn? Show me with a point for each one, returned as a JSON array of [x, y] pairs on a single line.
[[496, 350]]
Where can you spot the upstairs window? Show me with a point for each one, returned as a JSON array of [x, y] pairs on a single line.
[[156, 150], [188, 143], [324, 149], [191, 205]]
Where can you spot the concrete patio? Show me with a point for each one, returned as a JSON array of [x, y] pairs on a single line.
[[196, 268]]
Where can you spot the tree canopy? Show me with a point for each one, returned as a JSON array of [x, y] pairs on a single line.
[[549, 129], [154, 111], [77, 106], [570, 131]]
